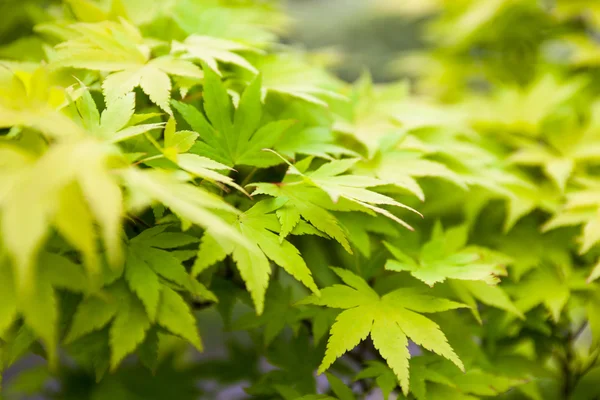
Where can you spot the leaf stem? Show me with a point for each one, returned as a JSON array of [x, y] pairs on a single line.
[[248, 177]]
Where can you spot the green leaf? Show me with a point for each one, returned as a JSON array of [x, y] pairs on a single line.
[[210, 252], [289, 217], [166, 265], [147, 264], [206, 168], [175, 316], [119, 48], [142, 280], [493, 296], [439, 260], [169, 240], [188, 201], [545, 286], [128, 330], [260, 227], [106, 203], [351, 188], [292, 75], [31, 99], [595, 274], [557, 168], [157, 85], [233, 138], [92, 314], [63, 273], [251, 151], [311, 205], [16, 345], [249, 112], [391, 342], [217, 104], [211, 49], [37, 195], [340, 389], [255, 270], [132, 130], [581, 207], [427, 334], [117, 114], [180, 141], [279, 312], [350, 328], [592, 308], [388, 164], [8, 307], [88, 111], [39, 307], [148, 350], [74, 221], [389, 319], [282, 253], [384, 377], [87, 11]]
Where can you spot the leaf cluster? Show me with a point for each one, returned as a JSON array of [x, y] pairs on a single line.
[[185, 203]]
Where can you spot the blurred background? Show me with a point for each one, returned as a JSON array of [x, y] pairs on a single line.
[[354, 34], [357, 35]]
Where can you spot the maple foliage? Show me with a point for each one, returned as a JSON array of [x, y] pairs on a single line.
[[188, 205]]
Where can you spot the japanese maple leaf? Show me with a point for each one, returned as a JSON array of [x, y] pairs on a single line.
[[113, 123], [471, 272], [211, 50], [390, 319], [350, 191], [446, 257], [260, 227], [149, 265], [581, 208], [309, 203], [433, 378], [32, 100], [119, 48], [237, 141], [176, 144]]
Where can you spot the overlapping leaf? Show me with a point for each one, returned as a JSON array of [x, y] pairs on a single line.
[[113, 124], [70, 179], [212, 50], [260, 227], [445, 257], [31, 99], [118, 47], [349, 189], [237, 141]]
